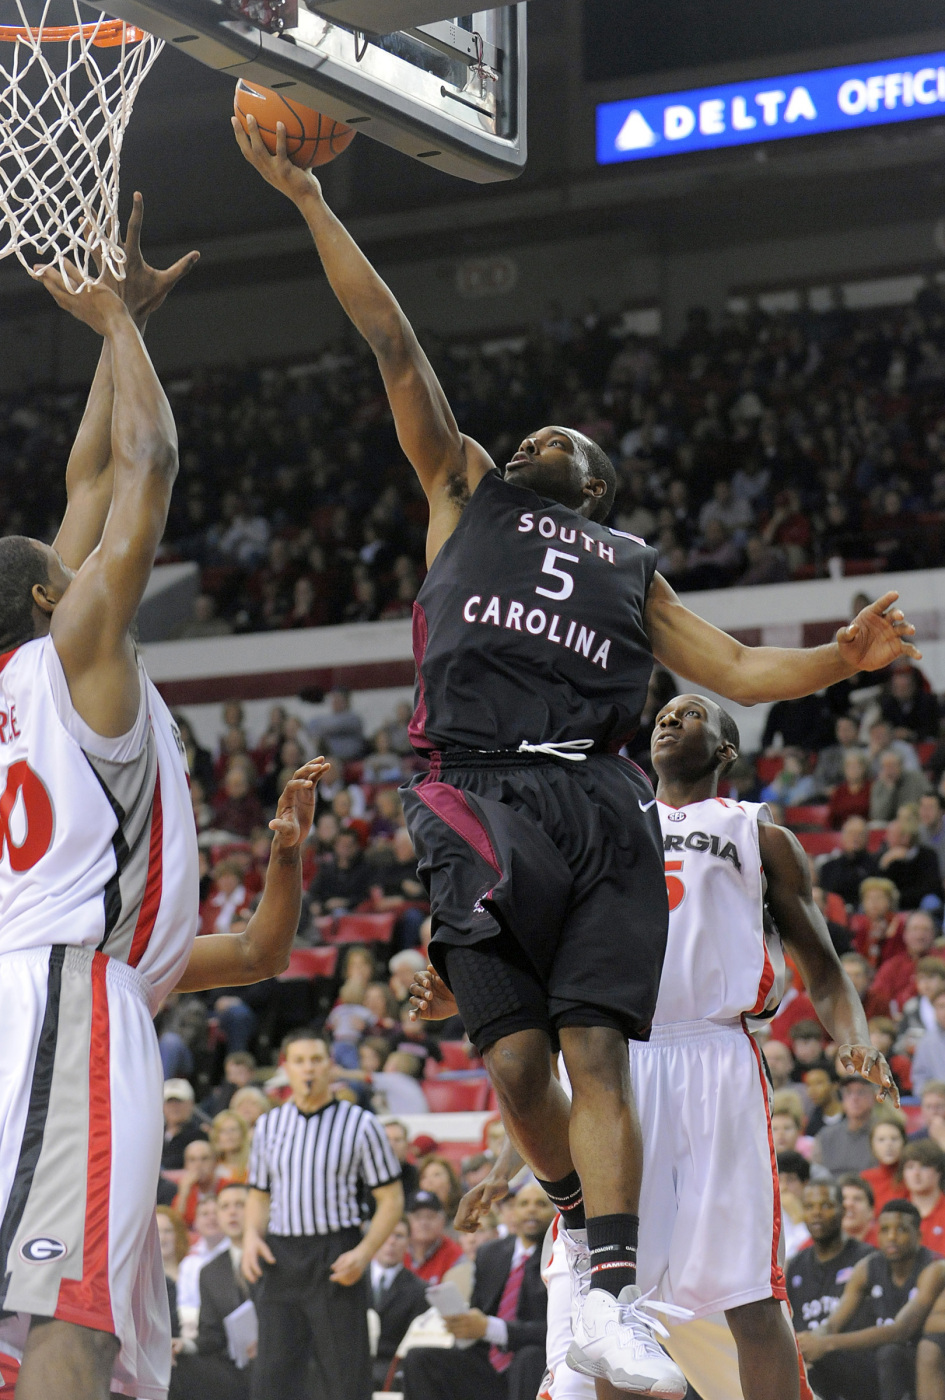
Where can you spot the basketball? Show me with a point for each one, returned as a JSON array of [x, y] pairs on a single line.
[[311, 138]]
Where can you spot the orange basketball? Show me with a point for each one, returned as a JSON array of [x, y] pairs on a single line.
[[311, 139]]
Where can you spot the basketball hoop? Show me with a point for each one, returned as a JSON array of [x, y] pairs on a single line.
[[66, 99]]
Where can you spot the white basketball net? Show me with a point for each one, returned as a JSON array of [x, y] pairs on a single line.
[[66, 99]]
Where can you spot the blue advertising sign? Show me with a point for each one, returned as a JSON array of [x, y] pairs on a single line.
[[771, 109]]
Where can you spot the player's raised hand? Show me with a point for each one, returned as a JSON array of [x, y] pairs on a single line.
[[867, 1062], [97, 306], [877, 636], [296, 808], [480, 1199], [145, 288], [277, 169], [430, 997]]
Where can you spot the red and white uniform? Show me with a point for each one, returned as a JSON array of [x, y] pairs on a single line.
[[710, 1210], [98, 913]]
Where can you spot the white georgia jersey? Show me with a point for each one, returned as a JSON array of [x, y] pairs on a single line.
[[97, 839], [720, 963]]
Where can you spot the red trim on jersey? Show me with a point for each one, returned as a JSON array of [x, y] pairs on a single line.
[[450, 805], [416, 730], [765, 985], [151, 902], [778, 1288], [87, 1301], [7, 657]]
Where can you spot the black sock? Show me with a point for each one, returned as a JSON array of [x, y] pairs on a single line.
[[612, 1241], [566, 1195]]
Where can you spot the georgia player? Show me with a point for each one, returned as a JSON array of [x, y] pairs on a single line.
[[711, 1219]]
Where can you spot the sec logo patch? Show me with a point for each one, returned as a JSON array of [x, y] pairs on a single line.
[[43, 1249]]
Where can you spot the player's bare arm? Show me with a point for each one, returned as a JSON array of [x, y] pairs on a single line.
[[804, 933], [448, 464], [90, 472], [478, 1201], [430, 997], [262, 949], [905, 1326], [91, 617], [692, 647]]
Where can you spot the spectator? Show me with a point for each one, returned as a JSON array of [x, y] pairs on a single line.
[[912, 868], [918, 1015], [397, 1084], [227, 899], [793, 1175], [787, 1121], [180, 1125], [382, 764], [860, 974], [829, 771], [238, 810], [229, 1138], [931, 1113], [932, 827], [430, 1251], [893, 787], [923, 1174], [347, 1022], [877, 929], [816, 1276], [794, 785], [210, 1242], [801, 724], [845, 1146], [250, 1103], [887, 1299], [340, 733], [851, 796], [895, 982], [881, 739], [843, 874], [345, 883], [912, 712], [824, 1094], [398, 1139], [780, 1064], [928, 1062], [359, 966], [175, 1242], [379, 1000], [397, 1296], [887, 1142], [506, 1321], [403, 967], [439, 1176], [807, 1047], [204, 621], [198, 1181], [856, 1196], [238, 1070]]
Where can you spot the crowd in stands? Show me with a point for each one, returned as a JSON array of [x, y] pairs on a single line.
[[755, 451]]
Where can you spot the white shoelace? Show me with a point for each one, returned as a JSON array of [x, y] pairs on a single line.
[[637, 1310], [565, 749]]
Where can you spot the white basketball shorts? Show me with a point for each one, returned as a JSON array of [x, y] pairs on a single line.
[[80, 1152]]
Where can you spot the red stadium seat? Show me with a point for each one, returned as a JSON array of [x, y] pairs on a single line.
[[768, 767], [818, 843], [810, 817], [309, 963], [455, 1057], [466, 1095], [925, 751], [364, 928], [875, 839]]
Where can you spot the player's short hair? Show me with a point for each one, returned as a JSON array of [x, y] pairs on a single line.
[[22, 566], [599, 465], [303, 1033], [903, 1208], [730, 735]]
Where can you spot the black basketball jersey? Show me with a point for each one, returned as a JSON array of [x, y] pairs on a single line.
[[814, 1288], [884, 1298], [529, 626]]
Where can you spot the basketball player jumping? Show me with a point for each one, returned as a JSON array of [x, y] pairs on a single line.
[[535, 632], [98, 890], [710, 1208]]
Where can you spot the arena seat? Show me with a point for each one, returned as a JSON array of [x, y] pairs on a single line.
[[813, 816], [819, 843], [309, 963], [364, 928], [466, 1095], [925, 751], [455, 1057], [768, 766], [875, 839]]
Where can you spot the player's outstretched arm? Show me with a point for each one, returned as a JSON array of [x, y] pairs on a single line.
[[805, 935], [91, 620], [905, 1326], [439, 453], [479, 1200], [691, 647], [262, 949], [90, 472]]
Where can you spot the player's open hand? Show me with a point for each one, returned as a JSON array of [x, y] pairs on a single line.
[[254, 1249], [98, 306], [296, 808], [145, 288], [870, 1064], [430, 997], [479, 1200], [349, 1267], [877, 636], [290, 180]]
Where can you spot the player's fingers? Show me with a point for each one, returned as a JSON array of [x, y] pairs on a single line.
[[242, 140], [183, 265], [133, 231], [281, 151], [907, 649], [886, 601]]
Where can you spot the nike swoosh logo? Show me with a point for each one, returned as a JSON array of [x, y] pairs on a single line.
[[645, 806]]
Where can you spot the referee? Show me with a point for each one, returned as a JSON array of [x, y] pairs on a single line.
[[303, 1246]]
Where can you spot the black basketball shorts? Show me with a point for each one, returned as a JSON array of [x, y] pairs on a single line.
[[548, 877]]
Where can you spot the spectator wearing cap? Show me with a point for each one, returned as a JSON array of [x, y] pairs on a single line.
[[895, 982], [923, 1175], [430, 1251], [180, 1124], [928, 1062], [506, 1320], [845, 872], [845, 1146]]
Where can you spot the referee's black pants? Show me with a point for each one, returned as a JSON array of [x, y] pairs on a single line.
[[451, 1373], [304, 1317]]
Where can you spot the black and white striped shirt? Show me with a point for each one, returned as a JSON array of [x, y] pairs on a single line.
[[312, 1164]]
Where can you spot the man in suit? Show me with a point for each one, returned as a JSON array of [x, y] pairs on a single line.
[[397, 1296], [210, 1374], [506, 1320]]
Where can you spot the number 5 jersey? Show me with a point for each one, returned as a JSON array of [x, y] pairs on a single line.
[[97, 841]]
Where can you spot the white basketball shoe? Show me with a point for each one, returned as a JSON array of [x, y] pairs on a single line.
[[614, 1339]]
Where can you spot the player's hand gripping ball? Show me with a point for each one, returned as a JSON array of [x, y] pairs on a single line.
[[311, 138]]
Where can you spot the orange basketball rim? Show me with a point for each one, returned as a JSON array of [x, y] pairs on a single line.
[[103, 35]]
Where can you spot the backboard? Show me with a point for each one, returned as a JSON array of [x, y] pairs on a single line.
[[448, 90]]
